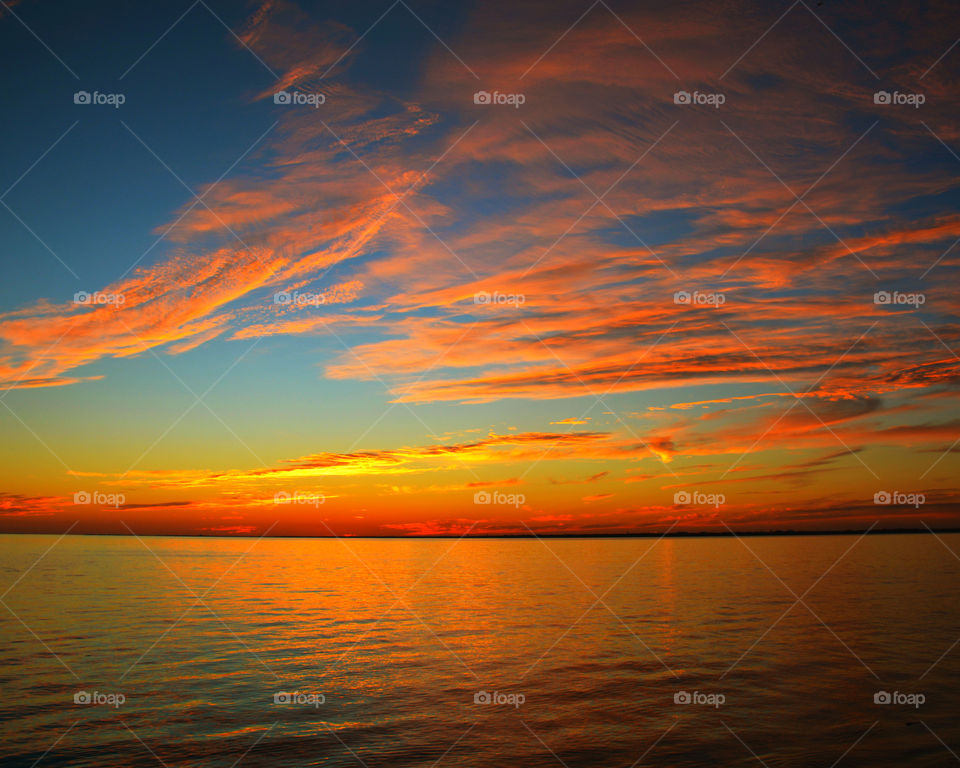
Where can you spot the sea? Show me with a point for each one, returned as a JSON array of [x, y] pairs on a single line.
[[837, 650]]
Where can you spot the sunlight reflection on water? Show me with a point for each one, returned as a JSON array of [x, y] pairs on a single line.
[[478, 652]]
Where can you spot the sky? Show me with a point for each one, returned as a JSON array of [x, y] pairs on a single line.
[[428, 268]]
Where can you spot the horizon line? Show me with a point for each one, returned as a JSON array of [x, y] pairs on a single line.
[[629, 535]]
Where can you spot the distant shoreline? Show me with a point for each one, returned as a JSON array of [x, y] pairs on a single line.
[[636, 535]]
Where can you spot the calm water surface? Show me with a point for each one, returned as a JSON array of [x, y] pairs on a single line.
[[590, 645]]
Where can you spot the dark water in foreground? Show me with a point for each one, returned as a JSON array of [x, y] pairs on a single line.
[[586, 644]]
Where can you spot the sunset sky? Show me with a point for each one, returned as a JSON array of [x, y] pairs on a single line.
[[386, 305]]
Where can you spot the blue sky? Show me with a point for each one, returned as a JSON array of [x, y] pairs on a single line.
[[494, 288]]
